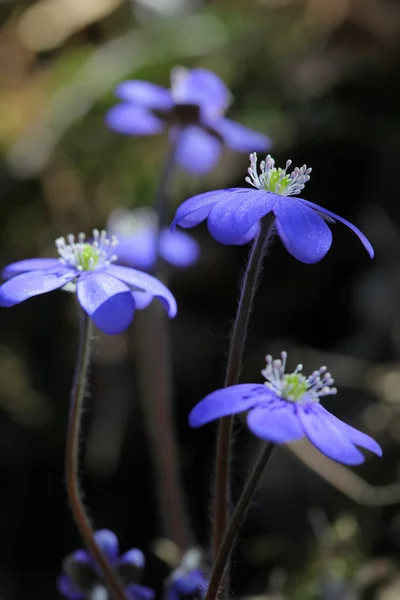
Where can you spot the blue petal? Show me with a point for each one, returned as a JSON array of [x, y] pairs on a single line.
[[328, 437], [145, 94], [233, 216], [227, 401], [196, 209], [178, 248], [201, 87], [250, 235], [303, 232], [190, 582], [30, 264], [276, 422], [108, 542], [367, 245], [107, 301], [68, 589], [133, 557], [138, 250], [142, 299], [241, 138], [197, 151], [133, 120], [147, 283], [354, 435], [139, 592], [33, 283]]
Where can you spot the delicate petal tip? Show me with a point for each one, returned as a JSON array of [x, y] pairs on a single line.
[[139, 280], [196, 209], [108, 542], [328, 436], [33, 283], [144, 94], [241, 138], [29, 264], [129, 119], [227, 401], [134, 557], [178, 249], [197, 151], [364, 240]]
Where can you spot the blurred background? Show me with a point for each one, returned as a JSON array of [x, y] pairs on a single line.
[[321, 78]]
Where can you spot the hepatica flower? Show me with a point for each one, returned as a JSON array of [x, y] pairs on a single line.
[[82, 578], [108, 293], [287, 408], [137, 233], [193, 110], [233, 214]]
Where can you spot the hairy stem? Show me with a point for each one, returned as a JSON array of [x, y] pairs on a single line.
[[238, 337], [239, 513], [72, 461]]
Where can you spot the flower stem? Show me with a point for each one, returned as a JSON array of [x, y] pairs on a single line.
[[156, 387], [238, 337], [72, 461], [237, 518]]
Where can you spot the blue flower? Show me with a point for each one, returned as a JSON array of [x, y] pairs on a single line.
[[193, 109], [233, 215], [286, 408], [108, 293], [81, 576], [189, 578], [137, 240]]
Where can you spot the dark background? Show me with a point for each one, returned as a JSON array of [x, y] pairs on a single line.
[[321, 78]]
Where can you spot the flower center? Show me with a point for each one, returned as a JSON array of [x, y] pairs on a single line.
[[277, 180], [295, 387], [87, 256]]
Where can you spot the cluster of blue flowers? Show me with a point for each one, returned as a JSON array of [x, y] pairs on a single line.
[[102, 272]]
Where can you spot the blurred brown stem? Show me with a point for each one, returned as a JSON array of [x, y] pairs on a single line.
[[72, 461], [155, 383]]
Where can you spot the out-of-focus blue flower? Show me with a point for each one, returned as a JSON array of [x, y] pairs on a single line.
[[286, 408], [81, 576], [189, 578], [137, 232], [193, 109], [233, 215], [108, 293]]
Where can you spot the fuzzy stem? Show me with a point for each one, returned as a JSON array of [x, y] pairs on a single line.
[[72, 461], [237, 518], [238, 337]]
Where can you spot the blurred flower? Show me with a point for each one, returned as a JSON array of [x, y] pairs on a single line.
[[189, 578], [81, 576], [194, 110], [137, 240], [233, 214], [108, 293], [286, 408]]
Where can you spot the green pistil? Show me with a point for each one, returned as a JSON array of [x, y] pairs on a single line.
[[88, 257], [294, 386], [277, 183]]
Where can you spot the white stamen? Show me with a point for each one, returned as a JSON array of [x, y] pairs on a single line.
[[278, 181], [295, 387], [87, 256]]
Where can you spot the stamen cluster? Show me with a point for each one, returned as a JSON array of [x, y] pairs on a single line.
[[277, 181], [295, 387], [87, 256]]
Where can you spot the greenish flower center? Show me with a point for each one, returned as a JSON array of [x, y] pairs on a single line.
[[294, 386], [88, 257], [278, 182]]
